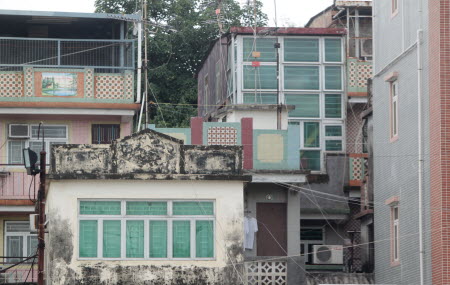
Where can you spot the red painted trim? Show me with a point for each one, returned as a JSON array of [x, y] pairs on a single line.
[[16, 202], [70, 105], [247, 142], [357, 94], [197, 131], [290, 31], [355, 183], [366, 155]]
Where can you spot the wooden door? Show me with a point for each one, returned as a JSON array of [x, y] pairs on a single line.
[[272, 229]]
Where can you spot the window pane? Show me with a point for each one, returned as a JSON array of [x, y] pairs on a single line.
[[311, 134], [306, 50], [100, 207], [36, 146], [105, 133], [111, 238], [333, 50], [17, 227], [146, 208], [333, 78], [333, 106], [204, 239], [88, 238], [261, 98], [49, 132], [266, 77], [333, 131], [14, 246], [301, 77], [135, 239], [32, 245], [193, 208], [333, 145], [181, 239], [15, 149], [158, 239], [264, 46], [311, 234], [306, 105], [310, 159]]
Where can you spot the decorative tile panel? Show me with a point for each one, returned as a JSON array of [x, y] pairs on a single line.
[[108, 86], [266, 273], [129, 85], [89, 83], [11, 84], [29, 81], [357, 168], [222, 136], [358, 73]]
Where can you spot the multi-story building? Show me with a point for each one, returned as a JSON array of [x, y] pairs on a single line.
[[75, 73]]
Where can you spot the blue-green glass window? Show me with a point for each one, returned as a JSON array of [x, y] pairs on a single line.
[[311, 133], [204, 239], [333, 50], [158, 239], [100, 207], [301, 77], [111, 238], [333, 106], [306, 105], [333, 77], [333, 145], [260, 98], [266, 77], [301, 50], [146, 208], [181, 232], [264, 46], [135, 239], [193, 208], [88, 238], [310, 159], [333, 131]]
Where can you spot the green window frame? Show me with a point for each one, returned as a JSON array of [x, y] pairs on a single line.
[[306, 105], [263, 45], [301, 77], [266, 77], [333, 50], [140, 229], [333, 138], [301, 50]]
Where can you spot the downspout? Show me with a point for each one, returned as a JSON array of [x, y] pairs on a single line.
[[419, 134], [139, 63]]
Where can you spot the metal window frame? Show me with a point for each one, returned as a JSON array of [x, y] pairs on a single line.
[[24, 235]]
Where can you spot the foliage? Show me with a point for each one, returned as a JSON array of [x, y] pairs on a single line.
[[180, 34]]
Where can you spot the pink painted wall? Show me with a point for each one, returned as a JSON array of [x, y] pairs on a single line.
[[125, 129], [80, 132]]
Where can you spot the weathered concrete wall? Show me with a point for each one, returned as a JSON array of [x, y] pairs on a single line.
[[339, 278], [64, 266]]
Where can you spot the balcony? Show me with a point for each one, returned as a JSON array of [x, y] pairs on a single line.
[[66, 70], [358, 72], [18, 186], [357, 168]]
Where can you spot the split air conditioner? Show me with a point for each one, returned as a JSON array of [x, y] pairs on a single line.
[[366, 48], [328, 254]]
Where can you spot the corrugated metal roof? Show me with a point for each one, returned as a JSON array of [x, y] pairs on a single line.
[[288, 31], [344, 3], [70, 14]]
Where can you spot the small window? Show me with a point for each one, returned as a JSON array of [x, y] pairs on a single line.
[[264, 76], [333, 106], [301, 50], [306, 105], [266, 47], [105, 134], [311, 135], [396, 234], [333, 138], [394, 109], [333, 50], [301, 77], [19, 242], [15, 149], [333, 78]]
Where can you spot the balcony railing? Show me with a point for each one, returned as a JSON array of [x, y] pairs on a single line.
[[18, 185], [66, 53], [21, 272], [357, 168], [359, 71]]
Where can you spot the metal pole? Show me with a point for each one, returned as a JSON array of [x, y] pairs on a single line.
[[41, 213], [145, 66]]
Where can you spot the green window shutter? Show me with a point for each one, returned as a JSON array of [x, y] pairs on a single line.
[[266, 77], [333, 145], [100, 207], [204, 239], [310, 159], [333, 106], [264, 46], [181, 239], [333, 78], [158, 239], [135, 239], [301, 77], [306, 105], [311, 134], [88, 238], [111, 238], [333, 50], [147, 208], [333, 131], [193, 208], [261, 98], [304, 50]]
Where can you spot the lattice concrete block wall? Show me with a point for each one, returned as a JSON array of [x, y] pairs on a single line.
[[11, 84], [222, 136], [109, 86], [266, 273]]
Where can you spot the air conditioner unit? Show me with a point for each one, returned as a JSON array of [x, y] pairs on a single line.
[[17, 131], [366, 47], [328, 254], [34, 223]]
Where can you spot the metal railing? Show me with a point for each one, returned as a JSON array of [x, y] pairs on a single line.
[[22, 272], [17, 185], [66, 53]]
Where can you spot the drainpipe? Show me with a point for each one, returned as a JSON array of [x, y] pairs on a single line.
[[419, 134], [139, 63]]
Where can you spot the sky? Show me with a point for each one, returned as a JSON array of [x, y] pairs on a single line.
[[289, 12]]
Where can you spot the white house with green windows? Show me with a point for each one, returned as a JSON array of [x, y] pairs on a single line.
[[146, 209]]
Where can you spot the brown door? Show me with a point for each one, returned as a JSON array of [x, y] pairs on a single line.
[[272, 229]]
